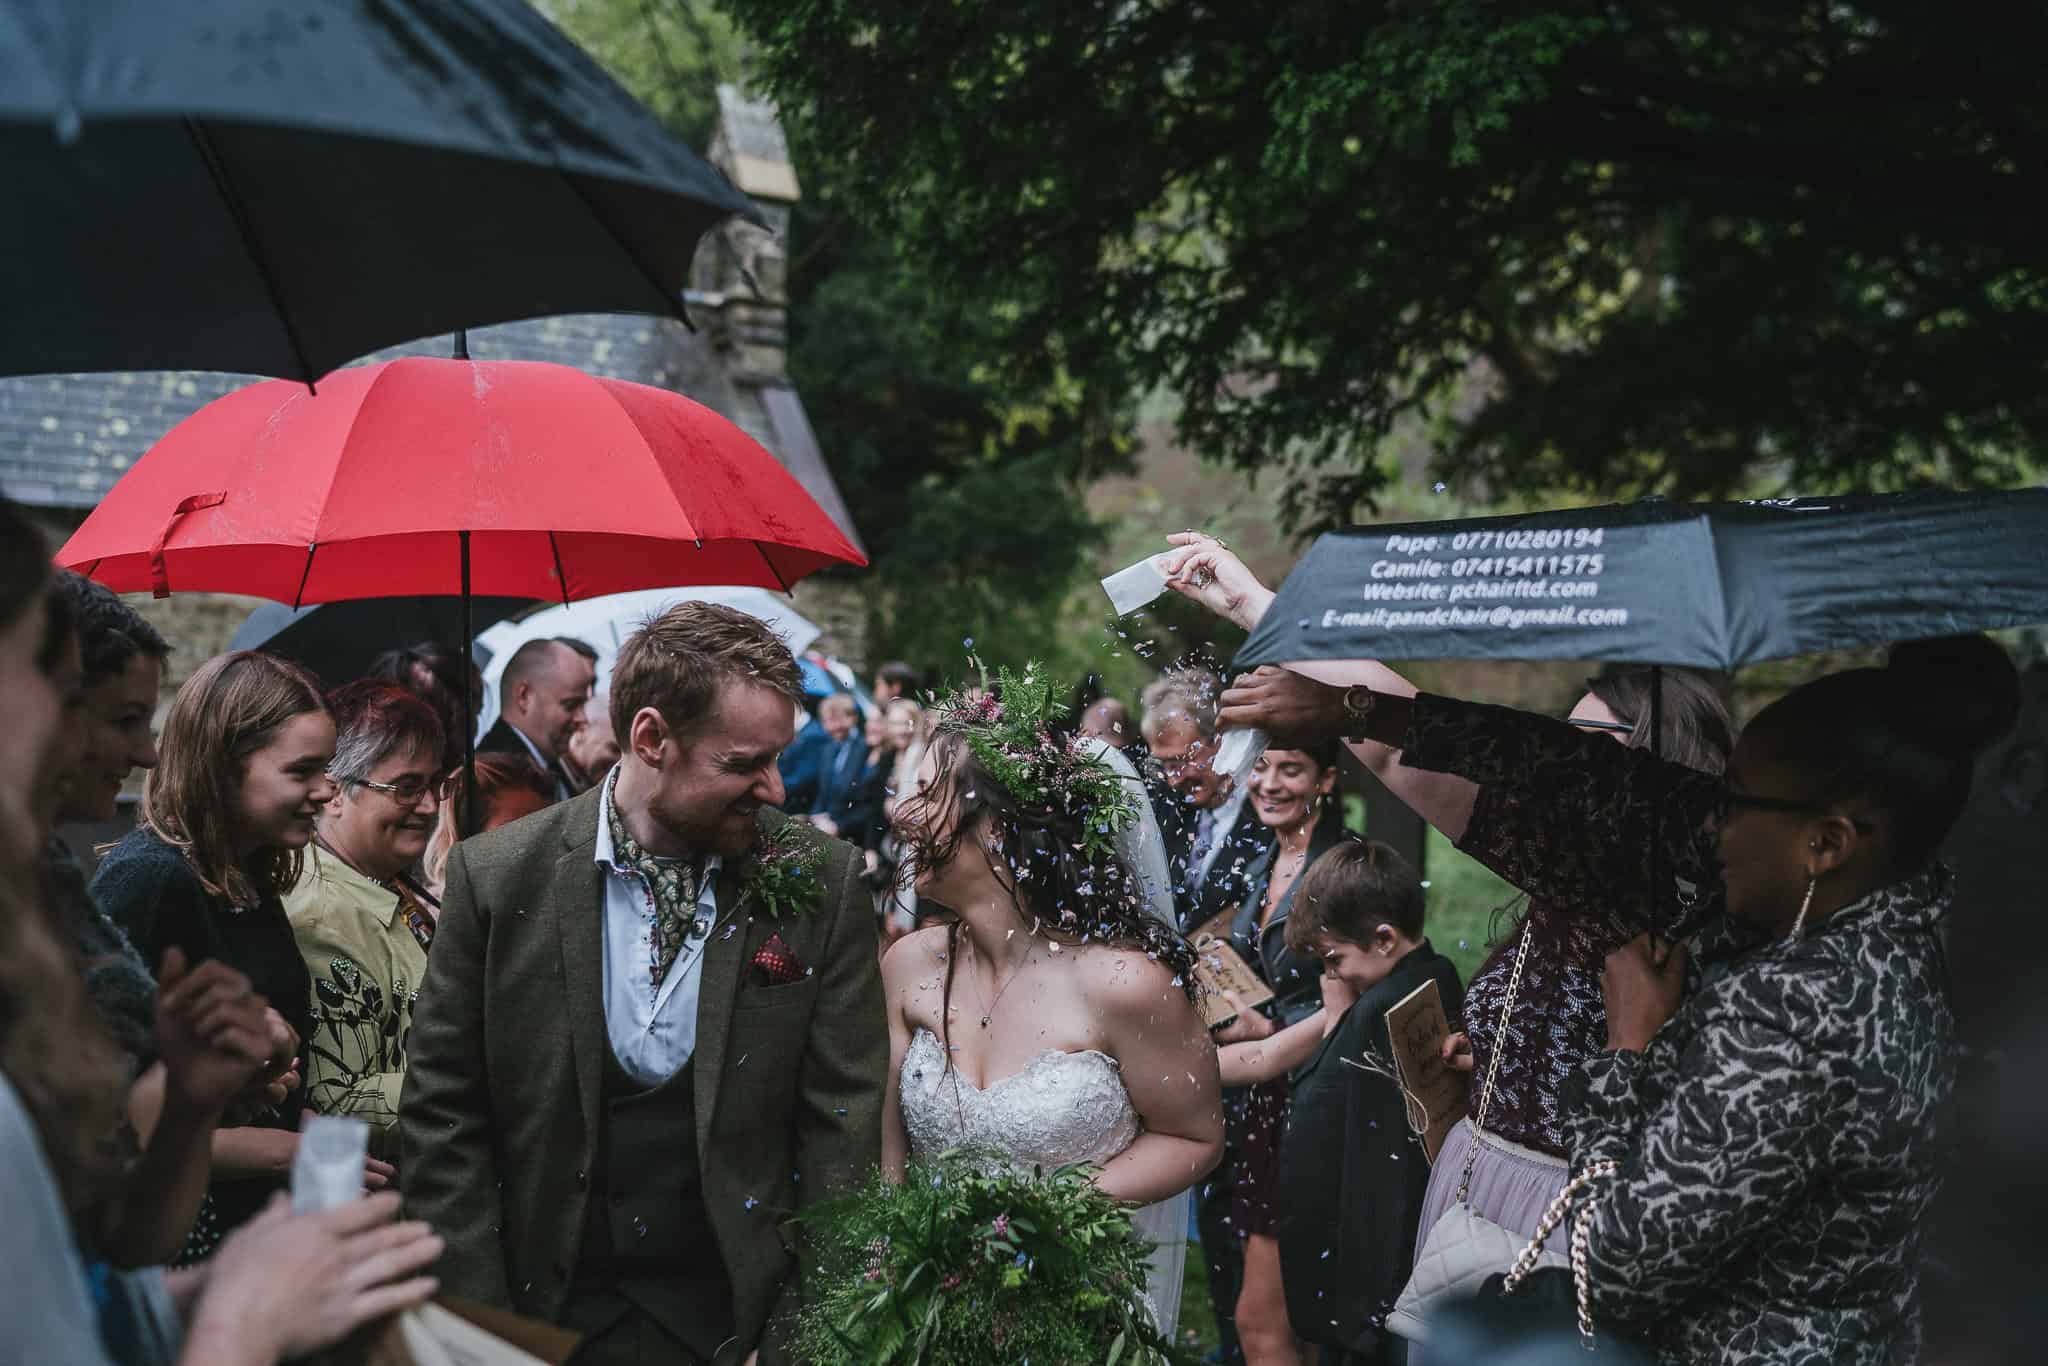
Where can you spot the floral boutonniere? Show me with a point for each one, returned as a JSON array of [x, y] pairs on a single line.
[[782, 876]]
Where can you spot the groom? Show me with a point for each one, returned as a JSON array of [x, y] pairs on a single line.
[[646, 1037]]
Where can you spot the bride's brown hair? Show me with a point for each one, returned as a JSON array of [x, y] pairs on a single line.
[[1039, 855]]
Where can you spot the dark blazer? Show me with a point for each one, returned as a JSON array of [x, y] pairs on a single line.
[[500, 1117], [1352, 1177], [1295, 979], [859, 817], [502, 739], [841, 767], [1229, 879]]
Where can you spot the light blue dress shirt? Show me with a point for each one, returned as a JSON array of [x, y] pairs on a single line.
[[653, 1030]]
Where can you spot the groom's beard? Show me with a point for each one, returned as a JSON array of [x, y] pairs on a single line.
[[728, 831]]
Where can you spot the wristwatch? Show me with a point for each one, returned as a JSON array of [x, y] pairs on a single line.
[[1358, 700]]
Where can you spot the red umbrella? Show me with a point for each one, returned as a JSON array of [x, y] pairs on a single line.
[[418, 476]]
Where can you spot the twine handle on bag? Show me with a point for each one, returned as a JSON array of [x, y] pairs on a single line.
[[1500, 1034], [1582, 1231]]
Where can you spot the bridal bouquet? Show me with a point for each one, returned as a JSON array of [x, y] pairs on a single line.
[[957, 1266]]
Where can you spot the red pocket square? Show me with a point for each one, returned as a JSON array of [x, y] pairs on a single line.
[[778, 963]]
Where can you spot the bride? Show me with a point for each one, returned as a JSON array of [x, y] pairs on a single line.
[[1053, 1022]]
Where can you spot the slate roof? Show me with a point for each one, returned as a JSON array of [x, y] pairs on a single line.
[[65, 439]]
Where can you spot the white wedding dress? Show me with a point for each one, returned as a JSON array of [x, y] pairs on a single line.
[[1060, 1108]]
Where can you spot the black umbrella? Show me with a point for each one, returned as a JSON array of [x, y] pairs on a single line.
[[1713, 586], [339, 640], [280, 186]]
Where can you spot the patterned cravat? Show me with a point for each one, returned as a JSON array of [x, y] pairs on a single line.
[[671, 882]]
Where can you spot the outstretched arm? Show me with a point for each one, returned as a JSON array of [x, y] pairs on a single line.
[[1570, 816], [1204, 570], [445, 1123], [1246, 1064]]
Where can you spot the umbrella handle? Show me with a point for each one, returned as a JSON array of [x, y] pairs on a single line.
[[159, 572]]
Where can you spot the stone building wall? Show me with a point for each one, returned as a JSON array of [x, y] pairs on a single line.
[[197, 625]]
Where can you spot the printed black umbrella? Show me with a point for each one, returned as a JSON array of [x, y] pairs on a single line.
[[280, 186], [339, 640], [1712, 586]]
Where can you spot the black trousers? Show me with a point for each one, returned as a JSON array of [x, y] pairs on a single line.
[[1223, 1251]]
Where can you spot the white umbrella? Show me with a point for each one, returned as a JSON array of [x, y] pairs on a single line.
[[604, 623]]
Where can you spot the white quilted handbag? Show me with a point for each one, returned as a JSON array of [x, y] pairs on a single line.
[[1464, 1247]]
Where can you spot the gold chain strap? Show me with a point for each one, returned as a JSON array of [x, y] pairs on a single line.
[[1582, 1232], [1500, 1034]]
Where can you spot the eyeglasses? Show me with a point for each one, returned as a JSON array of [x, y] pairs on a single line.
[[1732, 798], [1621, 727], [412, 789]]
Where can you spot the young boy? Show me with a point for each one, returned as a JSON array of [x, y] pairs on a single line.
[[1352, 1175]]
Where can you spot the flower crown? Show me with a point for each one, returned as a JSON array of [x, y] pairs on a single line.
[[1010, 730]]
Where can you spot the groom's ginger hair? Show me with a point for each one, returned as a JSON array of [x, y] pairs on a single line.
[[677, 662]]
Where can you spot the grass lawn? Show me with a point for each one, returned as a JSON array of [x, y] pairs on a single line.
[[1197, 1316], [1462, 899]]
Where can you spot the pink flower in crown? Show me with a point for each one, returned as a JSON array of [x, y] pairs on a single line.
[[1002, 1225]]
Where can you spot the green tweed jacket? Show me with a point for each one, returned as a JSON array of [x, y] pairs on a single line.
[[499, 1118]]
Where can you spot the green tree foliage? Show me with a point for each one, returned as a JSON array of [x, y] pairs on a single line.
[[963, 465], [1670, 246], [672, 54], [966, 480]]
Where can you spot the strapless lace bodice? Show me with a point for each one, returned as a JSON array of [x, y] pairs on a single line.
[[1060, 1108]]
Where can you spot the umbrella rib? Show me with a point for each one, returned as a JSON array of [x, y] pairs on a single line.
[[217, 168], [762, 551], [299, 598], [674, 301], [560, 578]]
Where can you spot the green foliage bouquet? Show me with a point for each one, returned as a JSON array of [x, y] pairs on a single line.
[[958, 1266]]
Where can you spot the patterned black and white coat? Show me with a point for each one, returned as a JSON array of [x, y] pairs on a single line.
[[1777, 1139]]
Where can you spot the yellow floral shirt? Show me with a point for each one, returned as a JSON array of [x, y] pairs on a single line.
[[366, 964]]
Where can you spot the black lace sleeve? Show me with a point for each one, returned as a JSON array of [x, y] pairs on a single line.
[[1576, 818]]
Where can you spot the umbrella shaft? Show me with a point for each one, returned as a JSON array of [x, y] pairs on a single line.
[[468, 701]]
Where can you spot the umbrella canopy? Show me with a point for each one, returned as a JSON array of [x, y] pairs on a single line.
[[604, 623], [817, 681], [340, 640], [280, 186], [827, 674], [1712, 586], [419, 476]]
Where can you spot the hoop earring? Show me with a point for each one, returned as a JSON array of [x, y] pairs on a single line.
[[1805, 905]]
